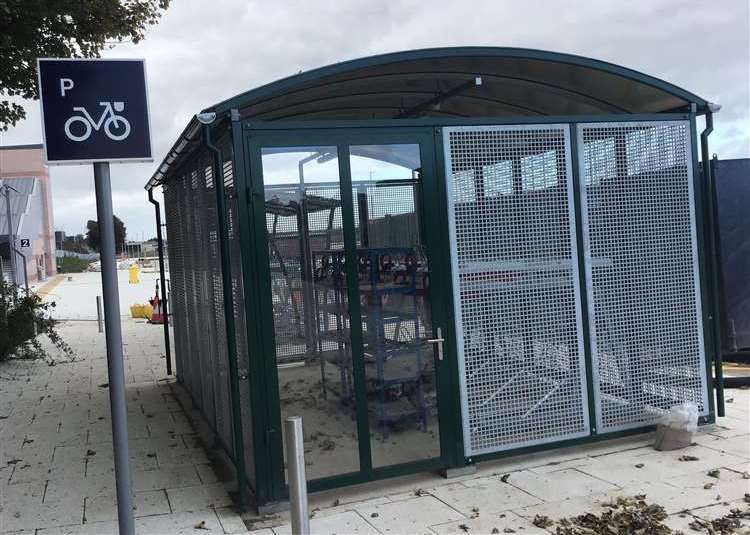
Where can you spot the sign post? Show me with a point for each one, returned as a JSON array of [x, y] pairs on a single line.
[[72, 91], [11, 235]]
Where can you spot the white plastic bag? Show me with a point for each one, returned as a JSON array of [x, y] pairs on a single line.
[[683, 417]]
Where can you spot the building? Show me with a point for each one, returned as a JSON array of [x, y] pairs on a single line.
[[22, 168], [59, 239], [439, 257], [733, 198]]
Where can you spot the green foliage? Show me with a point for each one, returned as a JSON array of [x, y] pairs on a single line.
[[72, 264], [92, 234], [31, 29], [22, 318]]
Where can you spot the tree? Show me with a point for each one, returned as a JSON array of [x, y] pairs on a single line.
[[31, 29], [92, 234]]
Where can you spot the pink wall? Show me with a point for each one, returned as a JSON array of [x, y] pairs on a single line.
[[29, 161]]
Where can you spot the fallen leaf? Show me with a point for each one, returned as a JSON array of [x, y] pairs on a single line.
[[708, 486], [508, 530], [504, 478], [542, 521], [714, 473], [464, 528], [687, 458], [640, 465]]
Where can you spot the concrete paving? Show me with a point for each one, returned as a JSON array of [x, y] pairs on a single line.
[[75, 299], [56, 473], [505, 496], [56, 467]]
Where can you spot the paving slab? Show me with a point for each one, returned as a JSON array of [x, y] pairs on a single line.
[[558, 485], [56, 458], [486, 495], [147, 503], [486, 524], [563, 508], [409, 516], [343, 523], [723, 509], [198, 497]]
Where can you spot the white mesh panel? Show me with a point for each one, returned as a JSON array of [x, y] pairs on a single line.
[[642, 270], [515, 286]]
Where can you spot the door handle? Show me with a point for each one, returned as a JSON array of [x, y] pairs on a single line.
[[439, 341]]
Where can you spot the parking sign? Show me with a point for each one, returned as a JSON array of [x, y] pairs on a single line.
[[94, 110]]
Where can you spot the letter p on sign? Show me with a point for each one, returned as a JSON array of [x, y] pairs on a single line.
[[65, 85]]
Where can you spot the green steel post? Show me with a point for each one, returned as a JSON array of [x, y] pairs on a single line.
[[162, 278], [703, 270], [713, 251], [450, 414], [582, 278], [355, 314], [226, 284], [260, 336]]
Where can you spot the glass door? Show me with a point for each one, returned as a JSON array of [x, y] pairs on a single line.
[[357, 348], [393, 281]]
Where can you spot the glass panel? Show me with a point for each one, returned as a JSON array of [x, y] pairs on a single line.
[[394, 293], [310, 310]]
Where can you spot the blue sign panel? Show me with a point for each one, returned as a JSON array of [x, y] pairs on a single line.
[[94, 110]]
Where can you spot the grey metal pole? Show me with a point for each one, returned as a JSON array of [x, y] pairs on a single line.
[[113, 336], [99, 313], [295, 463], [11, 236]]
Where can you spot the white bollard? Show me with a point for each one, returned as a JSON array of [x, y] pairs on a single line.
[[295, 460], [99, 313]]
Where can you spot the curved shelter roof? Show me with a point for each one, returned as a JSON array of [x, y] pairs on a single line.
[[463, 82]]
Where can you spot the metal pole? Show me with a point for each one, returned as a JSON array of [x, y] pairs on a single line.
[[11, 237], [713, 265], [25, 273], [99, 313], [113, 334], [295, 462], [162, 277]]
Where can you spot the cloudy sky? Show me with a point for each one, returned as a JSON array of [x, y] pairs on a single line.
[[205, 51]]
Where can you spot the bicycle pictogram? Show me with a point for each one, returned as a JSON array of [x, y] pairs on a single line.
[[116, 127]]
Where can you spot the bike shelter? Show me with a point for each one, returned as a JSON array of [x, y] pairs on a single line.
[[437, 257]]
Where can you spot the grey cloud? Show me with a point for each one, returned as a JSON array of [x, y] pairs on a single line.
[[203, 52]]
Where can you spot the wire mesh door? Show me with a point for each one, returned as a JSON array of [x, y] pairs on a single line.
[[642, 269], [515, 285]]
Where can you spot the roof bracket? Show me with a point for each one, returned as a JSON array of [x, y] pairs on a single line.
[[435, 101]]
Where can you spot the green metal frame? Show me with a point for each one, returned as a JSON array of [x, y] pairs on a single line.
[[438, 250], [704, 268], [310, 77], [582, 281], [439, 122], [226, 282], [713, 261], [249, 137]]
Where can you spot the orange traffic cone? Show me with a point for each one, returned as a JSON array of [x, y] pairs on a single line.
[[157, 316]]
